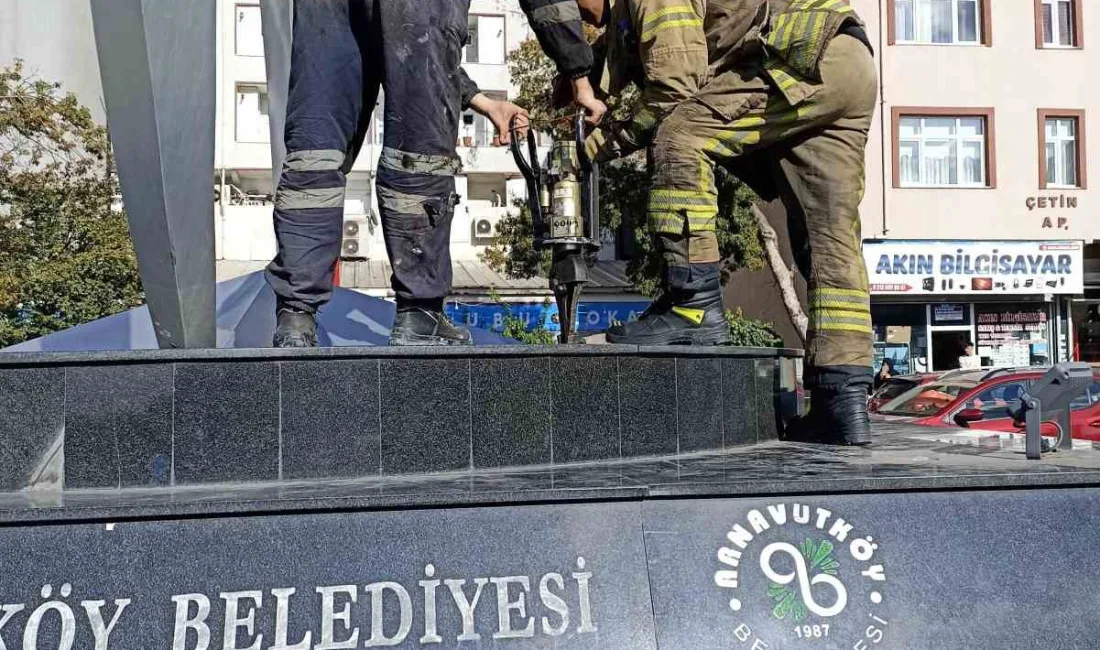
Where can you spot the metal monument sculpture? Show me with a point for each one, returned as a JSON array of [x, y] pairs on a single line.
[[157, 61]]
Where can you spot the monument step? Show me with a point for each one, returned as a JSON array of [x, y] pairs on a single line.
[[924, 540], [192, 417]]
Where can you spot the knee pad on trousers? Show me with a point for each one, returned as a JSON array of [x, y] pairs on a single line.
[[417, 232]]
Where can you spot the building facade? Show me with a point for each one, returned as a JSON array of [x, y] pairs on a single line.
[[978, 222], [243, 160]]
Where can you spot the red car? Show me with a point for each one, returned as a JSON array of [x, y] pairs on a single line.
[[895, 386], [985, 399]]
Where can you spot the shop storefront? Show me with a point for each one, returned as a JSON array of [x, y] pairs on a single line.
[[1010, 299]]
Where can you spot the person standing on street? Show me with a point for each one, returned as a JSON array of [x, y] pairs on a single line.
[[342, 52], [969, 360]]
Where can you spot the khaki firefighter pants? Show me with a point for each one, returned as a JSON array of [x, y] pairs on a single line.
[[812, 154]]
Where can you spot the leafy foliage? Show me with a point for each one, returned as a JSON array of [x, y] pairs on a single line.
[[514, 252], [788, 601], [65, 254], [515, 328], [532, 73], [750, 332]]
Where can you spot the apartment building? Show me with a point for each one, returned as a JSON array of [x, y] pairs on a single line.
[[978, 222]]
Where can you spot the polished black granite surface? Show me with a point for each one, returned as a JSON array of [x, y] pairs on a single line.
[[194, 417], [903, 458]]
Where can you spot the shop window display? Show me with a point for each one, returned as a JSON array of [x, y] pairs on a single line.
[[1013, 335], [901, 336]]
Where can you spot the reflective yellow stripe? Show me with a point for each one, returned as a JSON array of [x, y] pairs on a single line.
[[839, 6], [846, 319], [667, 222], [702, 221], [841, 313], [839, 304], [717, 148], [693, 315], [681, 22], [661, 13], [680, 193], [782, 76], [830, 291], [684, 203], [842, 327]]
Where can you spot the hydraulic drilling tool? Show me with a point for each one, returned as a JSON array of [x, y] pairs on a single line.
[[564, 199]]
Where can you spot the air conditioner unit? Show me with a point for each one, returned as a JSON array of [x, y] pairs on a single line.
[[356, 239], [485, 229]]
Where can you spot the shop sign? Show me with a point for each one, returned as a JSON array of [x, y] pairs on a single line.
[[591, 316], [924, 267], [946, 314]]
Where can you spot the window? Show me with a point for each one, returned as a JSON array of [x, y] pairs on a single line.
[[1091, 397], [1061, 151], [963, 22], [943, 148], [253, 123], [998, 401], [1057, 23], [924, 400], [1061, 148], [249, 31], [470, 53], [485, 41], [477, 130]]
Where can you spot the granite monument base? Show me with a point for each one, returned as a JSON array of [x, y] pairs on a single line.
[[928, 539]]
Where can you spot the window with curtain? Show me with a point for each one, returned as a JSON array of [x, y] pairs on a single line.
[[937, 21], [1059, 28], [1061, 151], [942, 151]]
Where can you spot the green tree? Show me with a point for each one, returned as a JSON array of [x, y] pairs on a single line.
[[65, 252]]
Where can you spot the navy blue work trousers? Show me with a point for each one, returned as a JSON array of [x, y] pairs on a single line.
[[343, 51]]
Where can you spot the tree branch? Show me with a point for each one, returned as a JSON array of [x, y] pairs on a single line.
[[784, 276]]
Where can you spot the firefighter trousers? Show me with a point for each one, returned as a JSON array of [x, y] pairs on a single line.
[[810, 155], [342, 52]]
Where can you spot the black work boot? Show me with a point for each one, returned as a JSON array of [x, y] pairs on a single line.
[[838, 415], [295, 329], [421, 326], [677, 318]]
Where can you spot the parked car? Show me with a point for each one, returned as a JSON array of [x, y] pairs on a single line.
[[895, 386], [987, 399]]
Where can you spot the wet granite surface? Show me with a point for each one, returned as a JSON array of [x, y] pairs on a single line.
[[903, 458]]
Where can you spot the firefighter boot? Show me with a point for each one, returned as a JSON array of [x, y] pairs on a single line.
[[838, 416], [677, 318], [422, 326], [295, 329]]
